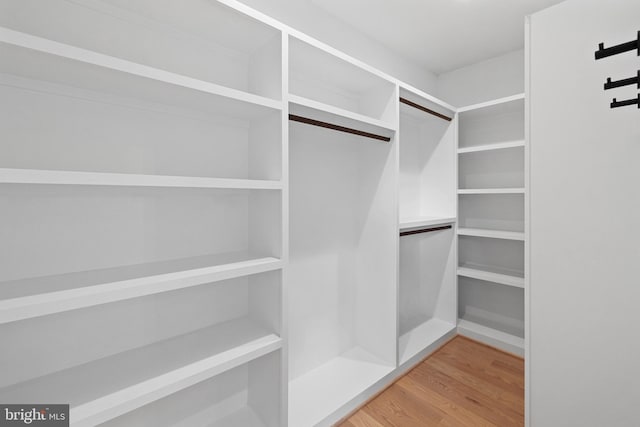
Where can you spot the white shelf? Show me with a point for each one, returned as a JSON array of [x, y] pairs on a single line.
[[422, 336], [107, 388], [224, 414], [491, 147], [28, 298], [506, 342], [320, 392], [493, 234], [491, 191], [37, 176], [425, 221], [325, 112], [492, 103], [427, 102], [242, 418], [42, 59], [490, 276]]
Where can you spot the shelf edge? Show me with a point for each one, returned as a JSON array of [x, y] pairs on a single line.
[[130, 398], [21, 308]]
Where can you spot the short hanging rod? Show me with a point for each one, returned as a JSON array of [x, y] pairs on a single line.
[[624, 82], [424, 230], [331, 126], [425, 109], [626, 102], [603, 52]]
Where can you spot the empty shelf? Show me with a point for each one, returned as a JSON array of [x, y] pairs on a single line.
[[242, 418], [493, 103], [422, 336], [489, 276], [425, 221], [325, 389], [493, 234], [491, 191], [106, 388], [36, 176], [507, 342], [231, 417], [27, 298], [338, 116], [42, 59], [491, 147]]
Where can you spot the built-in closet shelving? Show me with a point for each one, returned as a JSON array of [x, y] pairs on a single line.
[[427, 212], [341, 310], [491, 214], [210, 218], [142, 180]]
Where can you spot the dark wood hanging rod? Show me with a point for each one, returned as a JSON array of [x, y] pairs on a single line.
[[626, 102], [424, 230], [425, 109], [326, 125], [603, 52], [624, 82]]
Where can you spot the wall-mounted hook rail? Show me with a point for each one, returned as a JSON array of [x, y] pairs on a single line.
[[424, 230], [626, 102], [425, 109], [624, 82], [338, 128], [603, 52]]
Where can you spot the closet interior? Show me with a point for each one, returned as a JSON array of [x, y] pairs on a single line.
[[211, 218]]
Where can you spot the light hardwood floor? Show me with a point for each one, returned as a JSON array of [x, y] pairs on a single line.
[[464, 383]]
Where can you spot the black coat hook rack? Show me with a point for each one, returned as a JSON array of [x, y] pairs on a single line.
[[626, 102], [624, 82], [603, 52]]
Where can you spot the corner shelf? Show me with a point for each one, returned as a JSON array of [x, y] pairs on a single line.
[[29, 298], [491, 147], [491, 191], [489, 276], [506, 342], [107, 388], [53, 177], [492, 103], [492, 234]]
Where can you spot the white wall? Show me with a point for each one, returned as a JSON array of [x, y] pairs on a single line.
[[494, 78], [304, 16], [585, 211]]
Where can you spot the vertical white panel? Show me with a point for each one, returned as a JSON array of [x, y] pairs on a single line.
[[265, 72], [375, 302], [265, 389], [584, 217]]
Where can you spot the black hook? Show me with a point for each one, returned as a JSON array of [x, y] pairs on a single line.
[[624, 103], [624, 82], [614, 50]]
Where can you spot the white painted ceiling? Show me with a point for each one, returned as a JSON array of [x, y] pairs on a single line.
[[440, 35]]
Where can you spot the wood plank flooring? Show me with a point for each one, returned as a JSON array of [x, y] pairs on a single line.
[[464, 383]]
